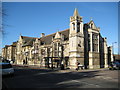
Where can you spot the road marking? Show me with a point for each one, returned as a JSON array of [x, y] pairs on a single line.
[[76, 81], [91, 84], [85, 75], [103, 77], [106, 78], [42, 73], [86, 83]]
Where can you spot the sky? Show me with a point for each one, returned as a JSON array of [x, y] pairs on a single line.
[[33, 18]]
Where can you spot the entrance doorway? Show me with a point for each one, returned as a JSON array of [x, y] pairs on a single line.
[[56, 62]]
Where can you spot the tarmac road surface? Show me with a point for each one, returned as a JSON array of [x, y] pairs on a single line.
[[43, 78]]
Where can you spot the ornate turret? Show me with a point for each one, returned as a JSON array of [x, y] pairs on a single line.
[[76, 40], [76, 23]]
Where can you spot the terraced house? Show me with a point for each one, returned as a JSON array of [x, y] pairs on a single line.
[[82, 42]]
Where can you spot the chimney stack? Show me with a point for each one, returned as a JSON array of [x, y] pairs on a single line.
[[42, 34]]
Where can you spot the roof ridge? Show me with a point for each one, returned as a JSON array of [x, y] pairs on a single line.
[[30, 37], [64, 30], [30, 40], [46, 35], [55, 32], [7, 45]]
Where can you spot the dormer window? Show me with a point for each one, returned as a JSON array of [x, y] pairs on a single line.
[[42, 43]]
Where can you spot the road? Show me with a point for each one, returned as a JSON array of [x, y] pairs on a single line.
[[43, 78]]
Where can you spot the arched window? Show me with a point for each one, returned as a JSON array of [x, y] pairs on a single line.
[[78, 27], [92, 25], [89, 45], [73, 26], [95, 42], [55, 46]]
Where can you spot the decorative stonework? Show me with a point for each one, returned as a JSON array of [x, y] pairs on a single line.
[[81, 42]]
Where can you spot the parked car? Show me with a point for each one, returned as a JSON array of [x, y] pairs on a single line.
[[115, 65], [6, 69], [5, 61]]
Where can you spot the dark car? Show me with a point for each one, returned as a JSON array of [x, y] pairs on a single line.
[[115, 65], [6, 69], [5, 61]]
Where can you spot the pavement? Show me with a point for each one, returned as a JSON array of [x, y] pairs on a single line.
[[58, 69]]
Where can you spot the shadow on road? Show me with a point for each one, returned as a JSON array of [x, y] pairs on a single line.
[[43, 78]]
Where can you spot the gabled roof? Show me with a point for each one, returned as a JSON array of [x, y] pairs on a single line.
[[28, 41], [92, 22], [7, 45], [57, 35], [26, 37], [48, 38], [14, 44]]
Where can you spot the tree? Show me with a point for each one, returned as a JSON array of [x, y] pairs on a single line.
[[1, 31], [1, 14]]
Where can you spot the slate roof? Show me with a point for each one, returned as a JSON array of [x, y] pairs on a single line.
[[28, 41], [7, 46], [14, 44], [48, 38]]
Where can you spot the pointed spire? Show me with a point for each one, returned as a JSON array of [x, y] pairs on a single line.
[[57, 35], [76, 12]]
